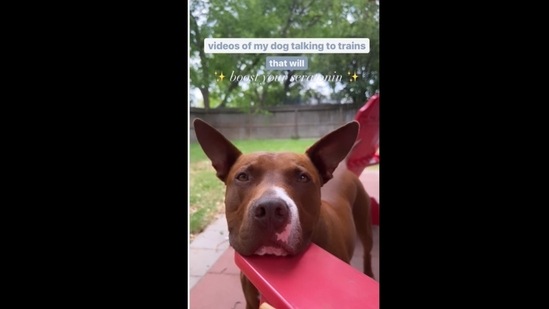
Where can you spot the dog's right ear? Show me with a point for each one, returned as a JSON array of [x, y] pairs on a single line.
[[330, 150], [217, 147]]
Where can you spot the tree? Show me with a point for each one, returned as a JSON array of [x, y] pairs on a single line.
[[283, 19], [352, 19]]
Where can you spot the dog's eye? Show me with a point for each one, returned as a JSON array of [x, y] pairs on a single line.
[[242, 177], [303, 178]]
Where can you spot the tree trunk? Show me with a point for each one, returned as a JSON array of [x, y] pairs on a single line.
[[206, 96], [234, 84]]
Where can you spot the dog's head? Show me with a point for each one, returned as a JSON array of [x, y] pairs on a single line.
[[272, 200]]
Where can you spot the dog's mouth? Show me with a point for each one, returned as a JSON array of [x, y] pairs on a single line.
[[279, 248], [273, 248], [277, 251], [256, 241]]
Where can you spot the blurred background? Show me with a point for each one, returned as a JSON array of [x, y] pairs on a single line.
[[282, 19]]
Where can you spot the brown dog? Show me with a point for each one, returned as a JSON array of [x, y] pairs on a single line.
[[278, 203]]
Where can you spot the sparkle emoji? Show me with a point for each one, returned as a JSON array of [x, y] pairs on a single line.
[[354, 77], [220, 76]]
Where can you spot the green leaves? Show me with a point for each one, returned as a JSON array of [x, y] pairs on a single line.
[[281, 19]]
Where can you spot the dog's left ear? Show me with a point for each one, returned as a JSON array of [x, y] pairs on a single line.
[[330, 150], [217, 147]]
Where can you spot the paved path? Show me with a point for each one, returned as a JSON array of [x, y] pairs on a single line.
[[206, 249]]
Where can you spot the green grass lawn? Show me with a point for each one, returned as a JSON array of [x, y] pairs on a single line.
[[206, 190]]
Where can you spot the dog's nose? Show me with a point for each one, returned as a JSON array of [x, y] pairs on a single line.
[[271, 212]]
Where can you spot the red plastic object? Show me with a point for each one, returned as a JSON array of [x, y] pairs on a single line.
[[365, 152], [313, 279]]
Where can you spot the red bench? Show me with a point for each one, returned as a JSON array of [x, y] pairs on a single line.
[[314, 279], [366, 151]]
